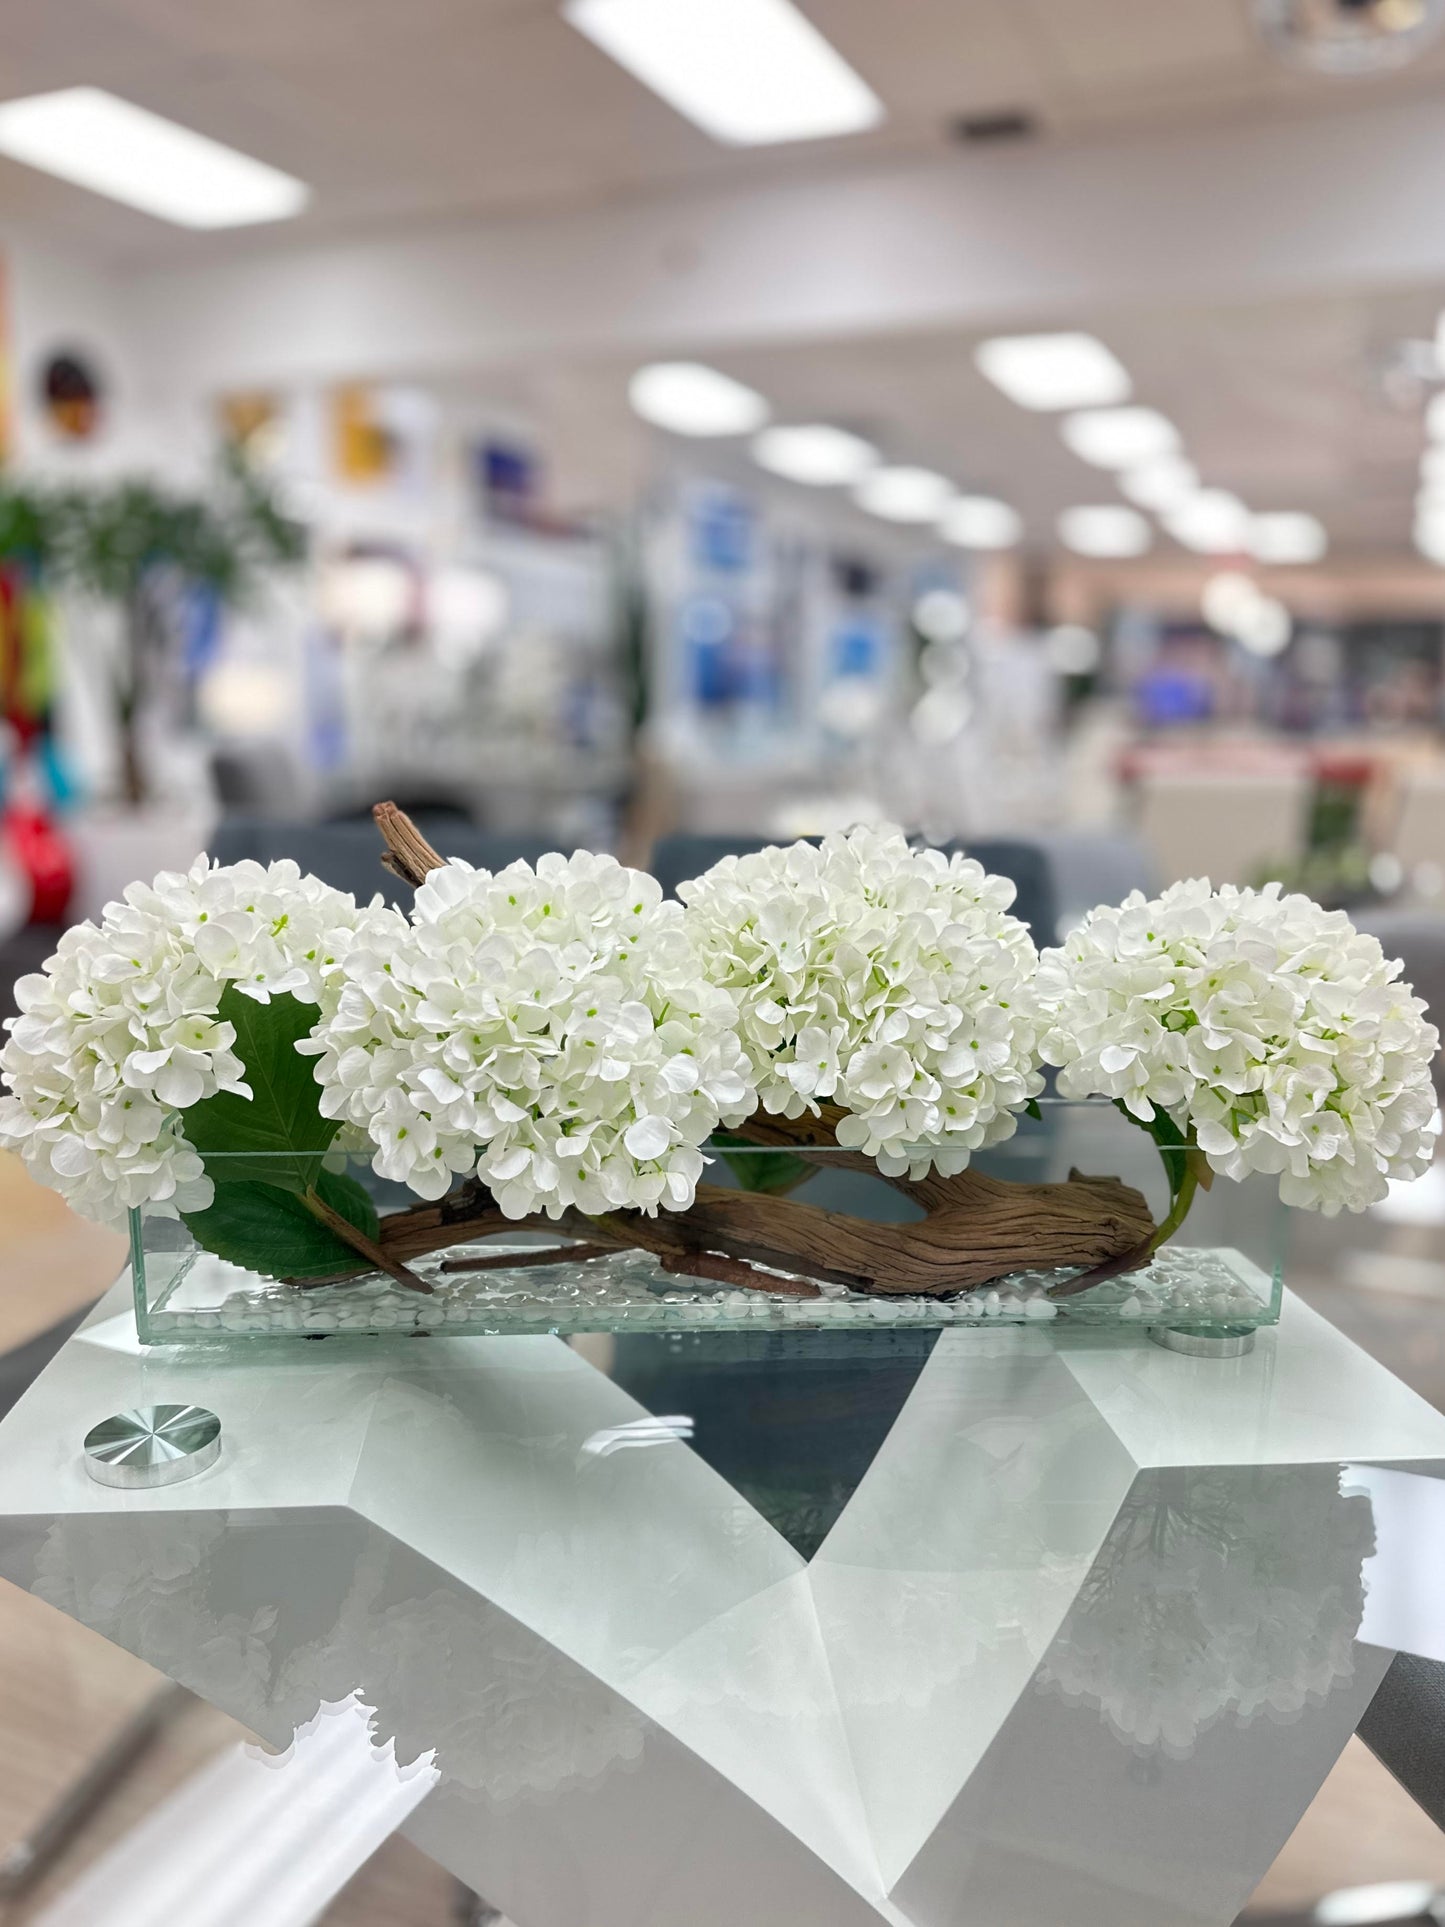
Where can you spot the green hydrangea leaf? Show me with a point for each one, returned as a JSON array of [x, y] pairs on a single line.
[[267, 1227], [278, 1136]]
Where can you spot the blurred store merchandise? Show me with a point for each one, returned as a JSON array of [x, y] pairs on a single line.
[[1223, 827], [1419, 835], [1073, 650]]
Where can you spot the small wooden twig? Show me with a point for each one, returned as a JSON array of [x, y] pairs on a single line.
[[552, 1255], [737, 1271], [359, 1242], [408, 854]]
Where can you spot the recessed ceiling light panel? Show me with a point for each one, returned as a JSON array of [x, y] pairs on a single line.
[[1287, 537], [1119, 437], [748, 72], [1108, 532], [980, 522], [689, 398], [1161, 484], [1053, 371], [904, 494], [816, 454], [1213, 522], [98, 141]]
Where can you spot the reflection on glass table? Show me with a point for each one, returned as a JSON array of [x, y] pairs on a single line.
[[958, 1629]]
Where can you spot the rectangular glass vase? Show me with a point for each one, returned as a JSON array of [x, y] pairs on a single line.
[[1220, 1275]]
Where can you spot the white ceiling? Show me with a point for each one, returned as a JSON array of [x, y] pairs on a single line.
[[401, 113], [436, 108], [1282, 402]]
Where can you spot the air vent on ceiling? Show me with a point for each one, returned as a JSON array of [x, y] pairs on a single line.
[[1006, 124]]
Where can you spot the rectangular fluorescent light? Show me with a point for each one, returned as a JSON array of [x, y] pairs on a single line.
[[980, 522], [1213, 522], [1108, 532], [1053, 371], [1162, 483], [1287, 536], [689, 398], [1119, 437], [748, 72], [904, 494], [107, 144]]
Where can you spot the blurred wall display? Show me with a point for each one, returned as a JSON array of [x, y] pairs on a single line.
[[253, 422], [490, 671], [508, 479], [383, 436], [71, 396], [776, 666], [857, 649]]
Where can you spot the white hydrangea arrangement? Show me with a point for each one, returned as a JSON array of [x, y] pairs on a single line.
[[889, 982], [573, 1041], [556, 1021], [120, 1035], [1269, 1032]]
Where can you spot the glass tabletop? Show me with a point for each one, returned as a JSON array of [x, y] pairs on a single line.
[[899, 1626]]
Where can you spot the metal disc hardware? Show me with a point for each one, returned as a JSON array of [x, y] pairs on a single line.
[[1220, 1344], [152, 1445]]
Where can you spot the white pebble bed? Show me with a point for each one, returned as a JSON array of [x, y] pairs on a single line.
[[206, 1298]]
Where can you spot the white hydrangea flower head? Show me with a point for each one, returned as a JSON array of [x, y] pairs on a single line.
[[1269, 1028], [119, 1034], [550, 1029], [890, 982]]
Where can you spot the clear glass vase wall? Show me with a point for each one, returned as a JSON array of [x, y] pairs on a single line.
[[1220, 1274]]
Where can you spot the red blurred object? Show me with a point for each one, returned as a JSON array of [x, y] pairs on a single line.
[[35, 846]]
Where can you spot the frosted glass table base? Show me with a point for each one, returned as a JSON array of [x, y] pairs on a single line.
[[975, 1629]]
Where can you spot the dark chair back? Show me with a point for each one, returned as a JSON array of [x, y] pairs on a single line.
[[676, 858], [348, 855]]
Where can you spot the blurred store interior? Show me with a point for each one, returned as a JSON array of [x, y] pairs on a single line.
[[1015, 418]]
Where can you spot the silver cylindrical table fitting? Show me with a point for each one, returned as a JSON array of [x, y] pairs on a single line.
[[152, 1445], [1220, 1344]]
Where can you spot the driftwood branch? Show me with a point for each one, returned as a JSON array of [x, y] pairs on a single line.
[[980, 1229], [408, 855], [973, 1228]]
